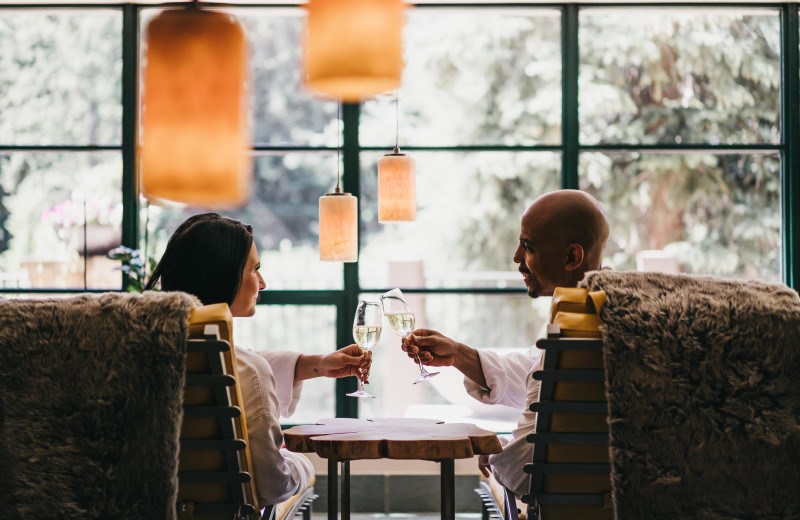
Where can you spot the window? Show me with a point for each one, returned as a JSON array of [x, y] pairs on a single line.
[[679, 80], [674, 117], [60, 160], [308, 329]]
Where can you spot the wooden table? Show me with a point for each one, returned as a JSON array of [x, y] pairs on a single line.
[[343, 440]]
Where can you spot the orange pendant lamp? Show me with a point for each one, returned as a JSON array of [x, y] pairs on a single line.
[[353, 48], [194, 138], [397, 188], [397, 182], [338, 219], [338, 227]]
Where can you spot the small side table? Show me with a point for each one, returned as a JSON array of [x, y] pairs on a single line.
[[342, 440]]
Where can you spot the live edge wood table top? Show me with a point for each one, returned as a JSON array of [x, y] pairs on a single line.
[[426, 439], [343, 440]]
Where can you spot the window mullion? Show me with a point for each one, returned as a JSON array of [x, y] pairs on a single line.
[[569, 96], [790, 124], [130, 65], [346, 407]]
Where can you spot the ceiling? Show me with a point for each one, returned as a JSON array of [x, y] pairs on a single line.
[[419, 2]]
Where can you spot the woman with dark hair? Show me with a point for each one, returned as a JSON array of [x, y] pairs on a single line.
[[215, 259]]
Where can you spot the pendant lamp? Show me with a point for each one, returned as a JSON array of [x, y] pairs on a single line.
[[353, 48], [338, 227], [397, 183], [194, 137], [338, 221]]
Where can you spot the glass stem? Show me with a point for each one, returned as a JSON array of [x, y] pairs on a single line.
[[419, 362]]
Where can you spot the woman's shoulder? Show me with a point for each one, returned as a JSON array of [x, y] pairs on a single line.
[[252, 361]]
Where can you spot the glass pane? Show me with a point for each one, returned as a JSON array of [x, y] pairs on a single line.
[[693, 213], [60, 77], [500, 323], [479, 76], [667, 76], [284, 213], [47, 201], [282, 110], [309, 329], [469, 207]]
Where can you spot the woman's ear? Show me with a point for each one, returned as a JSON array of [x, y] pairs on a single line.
[[574, 257]]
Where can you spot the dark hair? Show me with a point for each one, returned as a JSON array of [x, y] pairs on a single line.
[[205, 257]]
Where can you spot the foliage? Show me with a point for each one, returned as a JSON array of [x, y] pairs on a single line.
[[675, 77], [134, 265], [50, 96]]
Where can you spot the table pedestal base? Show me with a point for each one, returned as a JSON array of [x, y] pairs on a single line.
[[448, 484]]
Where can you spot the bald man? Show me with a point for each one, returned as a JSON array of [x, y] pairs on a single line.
[[562, 236]]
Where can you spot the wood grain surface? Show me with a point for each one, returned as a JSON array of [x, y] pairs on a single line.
[[426, 439]]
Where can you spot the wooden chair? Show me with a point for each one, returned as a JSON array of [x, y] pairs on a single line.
[[215, 467], [570, 472], [299, 504], [214, 470], [497, 501]]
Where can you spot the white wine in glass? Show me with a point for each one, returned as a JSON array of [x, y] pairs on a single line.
[[366, 333], [401, 318], [402, 323]]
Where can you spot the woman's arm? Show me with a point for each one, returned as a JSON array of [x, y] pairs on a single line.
[[349, 361]]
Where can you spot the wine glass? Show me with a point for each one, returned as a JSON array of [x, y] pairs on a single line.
[[401, 318], [366, 333]]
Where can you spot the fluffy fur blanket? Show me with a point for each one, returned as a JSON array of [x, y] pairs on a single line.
[[703, 380], [90, 405]]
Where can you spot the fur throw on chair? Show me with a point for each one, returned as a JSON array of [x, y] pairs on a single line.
[[90, 405], [703, 381]]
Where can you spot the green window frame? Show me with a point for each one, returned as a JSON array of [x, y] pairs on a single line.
[[570, 148]]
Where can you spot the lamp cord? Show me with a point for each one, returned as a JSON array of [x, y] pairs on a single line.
[[396, 118], [338, 137]]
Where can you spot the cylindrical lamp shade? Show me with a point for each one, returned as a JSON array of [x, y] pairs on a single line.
[[397, 188], [338, 227], [353, 48], [194, 141]]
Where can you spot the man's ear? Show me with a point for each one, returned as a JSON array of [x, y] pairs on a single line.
[[574, 257]]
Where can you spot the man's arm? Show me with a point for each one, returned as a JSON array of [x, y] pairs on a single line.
[[437, 350]]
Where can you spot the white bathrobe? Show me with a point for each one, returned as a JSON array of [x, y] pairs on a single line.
[[268, 391], [509, 382]]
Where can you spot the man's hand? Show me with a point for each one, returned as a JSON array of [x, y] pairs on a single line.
[[348, 361], [437, 350], [483, 460], [433, 348], [483, 465]]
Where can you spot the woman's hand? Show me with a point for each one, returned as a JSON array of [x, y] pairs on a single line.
[[348, 361]]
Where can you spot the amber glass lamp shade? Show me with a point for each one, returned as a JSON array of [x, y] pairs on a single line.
[[353, 48], [397, 188], [194, 137], [338, 227]]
